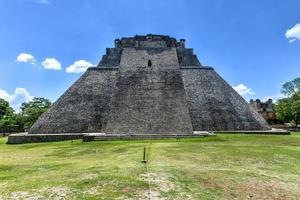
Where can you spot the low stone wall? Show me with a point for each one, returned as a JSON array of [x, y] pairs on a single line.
[[86, 137], [7, 134], [106, 137], [22, 138], [32, 138], [294, 129], [262, 132]]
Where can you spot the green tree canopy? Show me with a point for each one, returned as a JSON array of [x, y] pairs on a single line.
[[283, 110], [36, 103], [9, 122], [291, 87], [5, 109], [33, 109], [288, 109], [30, 112], [295, 110]]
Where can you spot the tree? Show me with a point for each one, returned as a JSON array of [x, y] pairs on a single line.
[[9, 122], [288, 109], [283, 110], [291, 87], [17, 122], [296, 83], [37, 102], [33, 109], [5, 109], [295, 96], [295, 110]]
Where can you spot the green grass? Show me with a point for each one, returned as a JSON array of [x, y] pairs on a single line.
[[227, 166]]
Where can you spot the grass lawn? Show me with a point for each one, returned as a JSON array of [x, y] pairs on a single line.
[[226, 166]]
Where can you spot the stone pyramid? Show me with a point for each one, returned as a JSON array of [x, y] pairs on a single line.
[[149, 84]]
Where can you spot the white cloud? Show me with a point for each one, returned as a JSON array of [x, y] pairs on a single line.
[[15, 100], [79, 66], [243, 90], [51, 63], [292, 40], [293, 33], [4, 95], [273, 97], [26, 57], [48, 63]]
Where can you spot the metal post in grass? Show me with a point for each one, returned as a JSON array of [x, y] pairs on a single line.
[[144, 156]]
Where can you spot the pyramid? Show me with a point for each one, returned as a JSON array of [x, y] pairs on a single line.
[[150, 84]]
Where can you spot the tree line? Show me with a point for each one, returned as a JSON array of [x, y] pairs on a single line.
[[288, 108], [11, 121]]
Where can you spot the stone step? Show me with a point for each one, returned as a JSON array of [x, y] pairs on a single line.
[[87, 138]]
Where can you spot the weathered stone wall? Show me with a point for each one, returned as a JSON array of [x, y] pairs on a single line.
[[148, 41], [161, 58], [186, 57], [149, 99], [83, 107], [111, 58], [215, 105], [31, 138]]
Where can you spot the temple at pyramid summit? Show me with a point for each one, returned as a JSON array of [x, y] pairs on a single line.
[[149, 85]]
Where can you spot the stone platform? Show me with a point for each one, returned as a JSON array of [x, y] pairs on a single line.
[[263, 132], [22, 138], [86, 137], [105, 137], [32, 138]]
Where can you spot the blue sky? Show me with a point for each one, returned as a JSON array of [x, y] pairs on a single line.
[[245, 41]]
